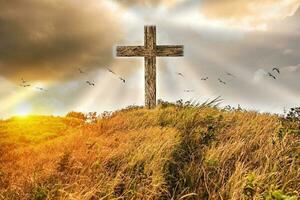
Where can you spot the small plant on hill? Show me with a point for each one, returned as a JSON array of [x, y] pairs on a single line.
[[91, 117], [279, 195], [77, 115], [250, 187], [40, 193], [291, 122], [64, 162]]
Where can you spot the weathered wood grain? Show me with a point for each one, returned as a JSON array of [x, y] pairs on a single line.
[[150, 51], [131, 51], [169, 50], [150, 82], [150, 37], [159, 51]]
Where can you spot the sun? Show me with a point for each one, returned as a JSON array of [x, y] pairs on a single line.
[[23, 110]]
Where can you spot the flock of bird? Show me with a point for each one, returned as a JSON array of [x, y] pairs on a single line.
[[204, 79], [26, 84], [275, 70], [91, 83]]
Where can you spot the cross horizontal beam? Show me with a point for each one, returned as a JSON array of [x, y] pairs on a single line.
[[159, 51], [169, 50], [130, 51]]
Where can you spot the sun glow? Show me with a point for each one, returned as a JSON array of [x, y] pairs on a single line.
[[23, 110], [21, 102]]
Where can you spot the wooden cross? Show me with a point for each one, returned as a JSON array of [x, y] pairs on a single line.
[[150, 51]]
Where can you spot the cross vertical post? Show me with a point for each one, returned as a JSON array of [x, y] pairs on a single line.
[[150, 67], [150, 51]]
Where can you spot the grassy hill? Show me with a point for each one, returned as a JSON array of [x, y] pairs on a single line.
[[171, 152]]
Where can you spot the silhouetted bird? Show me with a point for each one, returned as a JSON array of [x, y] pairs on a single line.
[[23, 81], [271, 75], [122, 79], [179, 74], [25, 85], [188, 90], [41, 89], [276, 69], [230, 74], [80, 71], [204, 79], [90, 83], [223, 82], [111, 71]]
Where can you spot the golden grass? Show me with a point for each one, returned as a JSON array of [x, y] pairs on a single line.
[[171, 152]]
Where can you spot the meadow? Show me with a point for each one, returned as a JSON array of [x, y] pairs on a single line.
[[175, 151]]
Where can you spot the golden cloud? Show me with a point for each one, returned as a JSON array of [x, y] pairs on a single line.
[[168, 3], [47, 39], [254, 14]]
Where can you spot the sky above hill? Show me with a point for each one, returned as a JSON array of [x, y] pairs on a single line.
[[43, 43]]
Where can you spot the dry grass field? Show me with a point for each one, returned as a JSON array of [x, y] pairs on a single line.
[[171, 152]]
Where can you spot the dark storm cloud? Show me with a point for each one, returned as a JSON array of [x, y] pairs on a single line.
[[47, 39]]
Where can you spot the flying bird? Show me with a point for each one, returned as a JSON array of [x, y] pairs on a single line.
[[41, 89], [80, 71], [276, 69], [25, 85], [90, 83], [188, 90], [223, 82], [230, 74], [23, 81], [179, 74], [122, 79], [204, 79], [271, 75], [111, 71]]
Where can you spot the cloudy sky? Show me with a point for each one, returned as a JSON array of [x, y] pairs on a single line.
[[44, 42]]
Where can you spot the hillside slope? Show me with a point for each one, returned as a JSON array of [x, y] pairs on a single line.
[[171, 152]]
